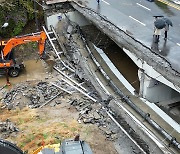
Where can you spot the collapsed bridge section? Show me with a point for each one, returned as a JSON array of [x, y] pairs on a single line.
[[157, 81], [129, 45]]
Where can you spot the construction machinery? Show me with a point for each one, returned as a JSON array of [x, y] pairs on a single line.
[[68, 146], [7, 61]]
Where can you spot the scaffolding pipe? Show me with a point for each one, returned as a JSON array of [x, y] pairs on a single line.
[[62, 47], [146, 116], [61, 88], [78, 89], [79, 85]]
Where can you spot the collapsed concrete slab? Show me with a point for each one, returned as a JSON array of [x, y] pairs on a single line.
[[124, 40]]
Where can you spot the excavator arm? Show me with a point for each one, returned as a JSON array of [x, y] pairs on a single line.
[[13, 42], [7, 63]]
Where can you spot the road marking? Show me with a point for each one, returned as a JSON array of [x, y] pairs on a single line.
[[105, 2], [143, 7], [170, 4], [178, 44], [137, 21]]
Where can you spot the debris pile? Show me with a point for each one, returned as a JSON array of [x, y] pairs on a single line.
[[95, 114], [26, 94], [7, 128]]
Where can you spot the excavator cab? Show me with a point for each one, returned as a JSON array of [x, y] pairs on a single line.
[[10, 66], [68, 146]]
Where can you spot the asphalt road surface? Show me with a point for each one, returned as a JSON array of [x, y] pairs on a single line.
[[136, 17]]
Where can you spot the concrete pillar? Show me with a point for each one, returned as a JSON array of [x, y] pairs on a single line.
[[153, 90]]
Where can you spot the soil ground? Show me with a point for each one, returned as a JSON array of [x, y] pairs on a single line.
[[50, 124]]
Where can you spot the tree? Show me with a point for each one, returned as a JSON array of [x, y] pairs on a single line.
[[17, 13]]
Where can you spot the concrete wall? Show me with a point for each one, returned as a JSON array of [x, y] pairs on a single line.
[[155, 64], [55, 18]]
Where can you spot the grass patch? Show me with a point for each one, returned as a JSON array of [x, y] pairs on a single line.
[[45, 135], [20, 121], [29, 138]]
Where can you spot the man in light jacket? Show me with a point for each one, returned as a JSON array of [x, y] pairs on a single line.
[[157, 33], [166, 28]]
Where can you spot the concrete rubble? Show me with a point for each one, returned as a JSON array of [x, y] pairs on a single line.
[[95, 114], [25, 94], [7, 128], [34, 96]]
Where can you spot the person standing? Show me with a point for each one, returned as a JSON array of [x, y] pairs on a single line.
[[98, 1], [166, 29]]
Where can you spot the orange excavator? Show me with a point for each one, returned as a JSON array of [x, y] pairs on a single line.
[[8, 64]]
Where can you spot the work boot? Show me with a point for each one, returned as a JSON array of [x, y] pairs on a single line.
[[8, 84]]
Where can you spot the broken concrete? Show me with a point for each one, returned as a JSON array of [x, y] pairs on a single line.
[[7, 128]]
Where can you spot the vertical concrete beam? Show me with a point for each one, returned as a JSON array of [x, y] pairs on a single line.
[[153, 90]]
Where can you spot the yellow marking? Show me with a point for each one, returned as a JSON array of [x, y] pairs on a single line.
[[170, 4], [38, 150], [55, 147]]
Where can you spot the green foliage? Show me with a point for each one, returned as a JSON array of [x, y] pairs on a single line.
[[29, 138], [17, 13], [20, 121], [18, 28], [28, 5], [45, 135], [34, 45], [22, 144]]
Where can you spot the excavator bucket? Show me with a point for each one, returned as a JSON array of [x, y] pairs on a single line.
[[50, 61]]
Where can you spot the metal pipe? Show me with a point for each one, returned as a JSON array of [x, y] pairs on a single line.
[[50, 100], [54, 48], [78, 89], [58, 39], [79, 85], [146, 116], [125, 132]]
